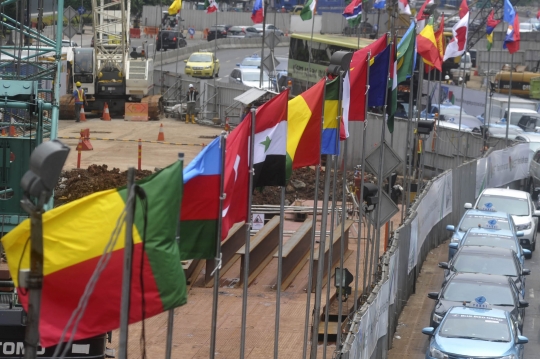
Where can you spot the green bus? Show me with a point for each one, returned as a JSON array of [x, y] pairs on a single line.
[[301, 71]]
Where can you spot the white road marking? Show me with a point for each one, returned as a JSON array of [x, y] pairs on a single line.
[[226, 76], [532, 323], [531, 293], [228, 61]]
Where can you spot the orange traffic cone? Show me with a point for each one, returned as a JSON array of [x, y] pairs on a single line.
[[161, 135], [82, 116], [12, 132], [106, 115]]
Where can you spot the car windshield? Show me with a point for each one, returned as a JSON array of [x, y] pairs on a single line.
[[496, 294], [494, 240], [253, 76], [510, 205], [483, 221], [250, 61], [477, 327], [200, 58], [472, 263]]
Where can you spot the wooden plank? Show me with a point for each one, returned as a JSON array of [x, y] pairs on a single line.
[[192, 269], [295, 252], [231, 244], [336, 249], [262, 247]]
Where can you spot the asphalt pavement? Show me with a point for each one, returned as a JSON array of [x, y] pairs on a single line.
[[228, 58]]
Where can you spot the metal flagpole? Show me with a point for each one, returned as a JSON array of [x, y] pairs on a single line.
[[320, 263], [263, 37], [280, 272], [407, 170], [487, 106], [428, 86], [248, 239], [361, 190], [381, 160], [312, 248], [509, 98], [438, 123], [367, 256], [310, 47], [330, 253], [217, 259], [418, 105], [127, 271]]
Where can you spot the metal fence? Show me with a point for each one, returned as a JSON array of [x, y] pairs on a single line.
[[439, 204], [440, 148]]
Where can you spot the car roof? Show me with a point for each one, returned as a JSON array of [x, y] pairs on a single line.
[[478, 212], [487, 251], [531, 136], [524, 110], [203, 52], [480, 277], [496, 313], [244, 69], [500, 232], [506, 192]]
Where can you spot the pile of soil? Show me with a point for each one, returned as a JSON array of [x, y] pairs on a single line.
[[78, 183]]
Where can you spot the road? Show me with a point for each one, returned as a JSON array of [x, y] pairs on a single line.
[[228, 58], [412, 344]]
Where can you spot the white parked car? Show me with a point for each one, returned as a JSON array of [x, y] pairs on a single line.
[[519, 204], [526, 27], [250, 77]]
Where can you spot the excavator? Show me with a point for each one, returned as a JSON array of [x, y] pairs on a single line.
[[107, 72], [521, 80]]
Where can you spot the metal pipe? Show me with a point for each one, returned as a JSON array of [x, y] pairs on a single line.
[[330, 256], [509, 98], [248, 239], [320, 263], [341, 242], [460, 112], [127, 271], [280, 273], [265, 5], [217, 259]]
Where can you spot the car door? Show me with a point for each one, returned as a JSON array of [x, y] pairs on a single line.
[[535, 169]]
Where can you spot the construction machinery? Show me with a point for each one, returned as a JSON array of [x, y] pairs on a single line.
[[521, 80], [106, 71]]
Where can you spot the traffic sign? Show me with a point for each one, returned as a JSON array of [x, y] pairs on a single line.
[[390, 161], [271, 40], [388, 209], [70, 31], [270, 63], [70, 12], [257, 221], [81, 10]]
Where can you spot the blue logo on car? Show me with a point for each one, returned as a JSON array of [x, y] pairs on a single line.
[[480, 300], [488, 205], [492, 222]]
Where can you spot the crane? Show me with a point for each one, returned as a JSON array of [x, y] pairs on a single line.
[[106, 71]]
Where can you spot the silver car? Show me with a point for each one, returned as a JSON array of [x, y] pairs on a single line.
[[269, 28], [242, 32], [251, 78], [516, 203]]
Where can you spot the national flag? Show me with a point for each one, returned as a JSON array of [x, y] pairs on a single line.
[[331, 125], [512, 39], [304, 128], [392, 89], [75, 236], [439, 38], [491, 24], [236, 177], [463, 9], [457, 46], [354, 86], [421, 17], [404, 8], [210, 6], [353, 12], [406, 53], [378, 71], [257, 15], [175, 7], [308, 10], [538, 15], [270, 142], [379, 4], [199, 213], [427, 46]]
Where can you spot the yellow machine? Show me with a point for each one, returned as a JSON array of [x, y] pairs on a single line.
[[521, 80]]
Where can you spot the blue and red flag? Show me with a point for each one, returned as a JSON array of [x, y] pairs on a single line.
[[491, 23], [199, 213], [511, 41], [257, 16]]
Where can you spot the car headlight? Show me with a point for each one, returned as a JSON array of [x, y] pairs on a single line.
[[454, 240], [437, 354], [522, 227], [437, 318], [208, 67]]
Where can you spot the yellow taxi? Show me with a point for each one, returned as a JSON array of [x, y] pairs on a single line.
[[297, 9], [202, 64]]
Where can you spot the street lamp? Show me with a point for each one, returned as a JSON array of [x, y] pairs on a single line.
[[38, 183]]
